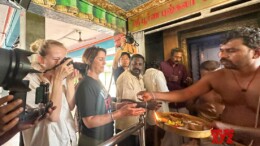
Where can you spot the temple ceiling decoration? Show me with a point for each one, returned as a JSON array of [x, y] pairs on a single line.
[[128, 8], [109, 13]]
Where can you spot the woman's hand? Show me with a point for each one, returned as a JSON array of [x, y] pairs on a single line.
[[64, 70], [131, 110], [74, 76]]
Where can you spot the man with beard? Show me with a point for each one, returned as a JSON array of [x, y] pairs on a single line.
[[176, 76], [238, 85], [175, 72], [128, 84]]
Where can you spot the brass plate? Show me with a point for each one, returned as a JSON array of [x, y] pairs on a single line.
[[184, 131]]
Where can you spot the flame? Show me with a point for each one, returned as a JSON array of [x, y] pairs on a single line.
[[160, 119], [156, 116]]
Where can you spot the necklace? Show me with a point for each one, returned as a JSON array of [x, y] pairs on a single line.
[[249, 83]]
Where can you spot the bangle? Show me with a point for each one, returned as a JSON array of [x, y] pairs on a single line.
[[153, 95], [112, 117]]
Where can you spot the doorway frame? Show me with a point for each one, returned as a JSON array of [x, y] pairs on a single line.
[[184, 36]]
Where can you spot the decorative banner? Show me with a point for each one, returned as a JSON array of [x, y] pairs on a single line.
[[69, 6], [169, 12], [121, 23], [49, 3], [99, 15], [111, 20], [85, 10]]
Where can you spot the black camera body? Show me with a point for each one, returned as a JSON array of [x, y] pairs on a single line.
[[15, 65], [42, 93], [41, 98], [82, 67], [130, 39]]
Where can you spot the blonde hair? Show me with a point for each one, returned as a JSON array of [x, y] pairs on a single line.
[[40, 48], [35, 46], [47, 45]]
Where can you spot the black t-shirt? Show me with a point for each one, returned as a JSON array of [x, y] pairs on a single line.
[[93, 99]]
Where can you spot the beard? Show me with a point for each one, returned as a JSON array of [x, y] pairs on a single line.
[[228, 64], [176, 62], [136, 71]]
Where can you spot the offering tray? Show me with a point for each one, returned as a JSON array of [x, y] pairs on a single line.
[[183, 124]]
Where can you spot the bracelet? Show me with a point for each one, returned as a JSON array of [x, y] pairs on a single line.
[[112, 117], [153, 95]]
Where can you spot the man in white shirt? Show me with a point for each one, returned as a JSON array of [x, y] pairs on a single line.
[[154, 81], [128, 85]]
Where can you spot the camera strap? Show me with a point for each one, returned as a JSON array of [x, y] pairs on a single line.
[[63, 60], [52, 68]]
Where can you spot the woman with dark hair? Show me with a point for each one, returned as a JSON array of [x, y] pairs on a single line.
[[96, 110]]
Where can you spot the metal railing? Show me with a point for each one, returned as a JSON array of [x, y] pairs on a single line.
[[127, 132]]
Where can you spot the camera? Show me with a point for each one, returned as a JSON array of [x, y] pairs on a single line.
[[130, 39], [81, 67], [15, 65]]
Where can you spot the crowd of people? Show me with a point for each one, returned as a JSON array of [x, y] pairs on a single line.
[[229, 97], [237, 84]]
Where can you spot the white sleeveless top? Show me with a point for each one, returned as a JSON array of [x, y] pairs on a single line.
[[46, 133]]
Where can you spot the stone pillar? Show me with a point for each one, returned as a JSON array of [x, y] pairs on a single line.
[[32, 27]]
